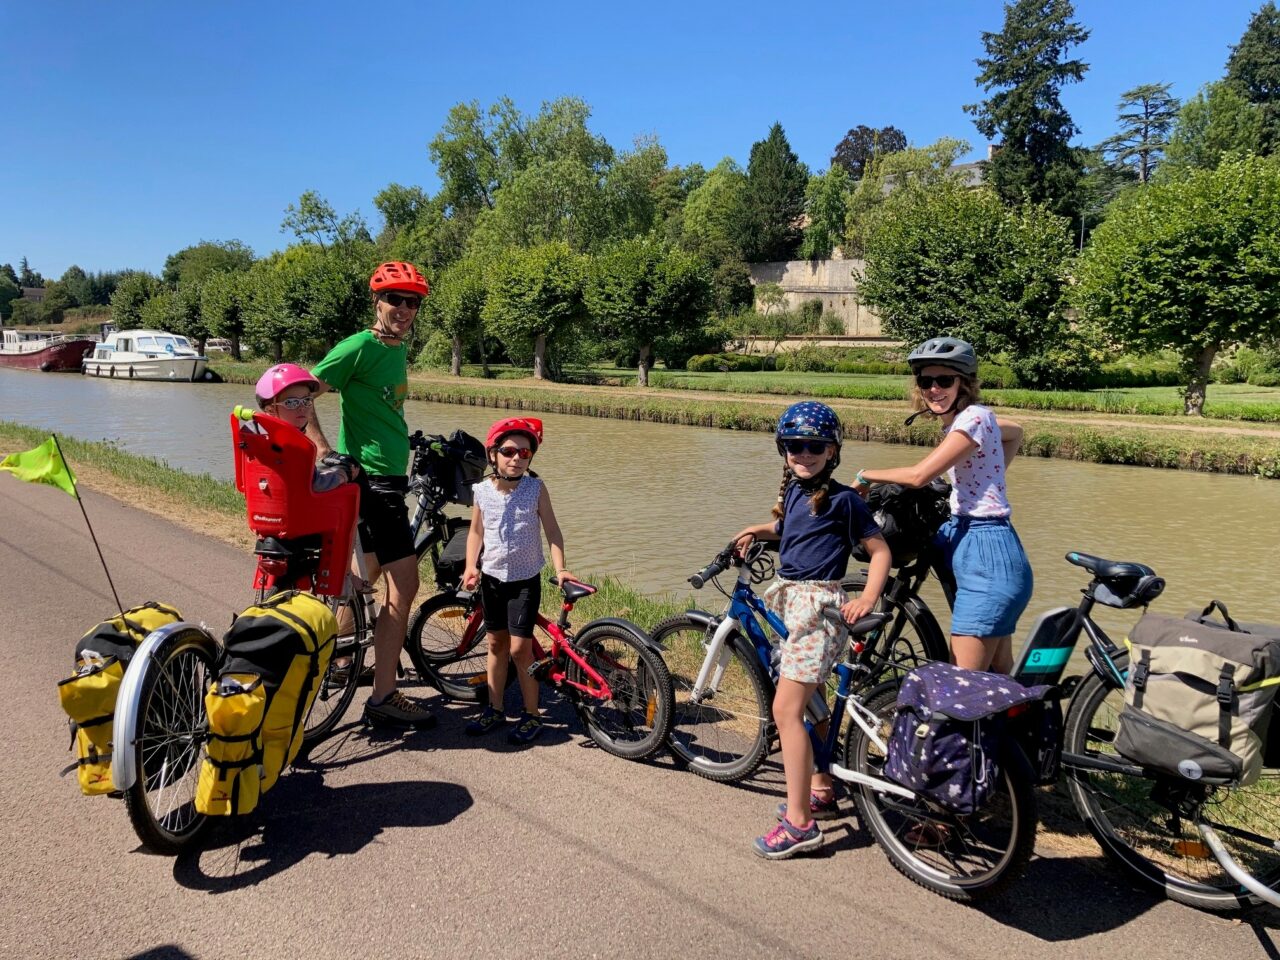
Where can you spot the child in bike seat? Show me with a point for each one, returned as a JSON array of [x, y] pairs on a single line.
[[508, 509], [286, 391], [818, 522]]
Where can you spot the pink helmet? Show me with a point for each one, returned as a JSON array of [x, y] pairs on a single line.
[[281, 377]]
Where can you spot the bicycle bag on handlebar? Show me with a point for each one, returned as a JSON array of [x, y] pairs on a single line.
[[88, 696], [274, 659], [451, 465], [908, 517], [946, 736], [1199, 696]]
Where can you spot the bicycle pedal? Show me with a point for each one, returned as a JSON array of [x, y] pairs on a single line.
[[540, 669]]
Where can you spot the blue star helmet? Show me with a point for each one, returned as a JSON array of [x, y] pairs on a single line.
[[809, 420]]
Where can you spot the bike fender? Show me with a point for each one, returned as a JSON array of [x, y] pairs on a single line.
[[630, 627], [701, 618], [124, 769]]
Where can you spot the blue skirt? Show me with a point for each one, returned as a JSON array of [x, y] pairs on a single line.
[[993, 577]]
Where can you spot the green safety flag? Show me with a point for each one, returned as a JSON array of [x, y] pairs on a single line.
[[44, 464]]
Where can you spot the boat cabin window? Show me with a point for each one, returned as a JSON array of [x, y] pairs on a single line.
[[147, 345], [124, 344]]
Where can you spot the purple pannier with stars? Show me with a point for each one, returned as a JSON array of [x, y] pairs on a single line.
[[946, 736]]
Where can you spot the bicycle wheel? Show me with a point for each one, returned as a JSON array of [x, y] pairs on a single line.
[[724, 735], [635, 721], [963, 858], [444, 655], [338, 685], [169, 742], [911, 639], [1147, 825]]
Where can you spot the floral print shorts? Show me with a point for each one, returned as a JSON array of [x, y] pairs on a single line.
[[816, 632]]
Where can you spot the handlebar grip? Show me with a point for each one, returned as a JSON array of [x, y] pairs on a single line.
[[699, 579]]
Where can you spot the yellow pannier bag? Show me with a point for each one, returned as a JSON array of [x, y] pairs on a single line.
[[273, 658], [88, 696], [231, 775]]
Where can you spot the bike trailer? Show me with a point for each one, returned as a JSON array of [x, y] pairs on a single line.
[[88, 696], [946, 733], [908, 517], [1199, 696], [274, 657]]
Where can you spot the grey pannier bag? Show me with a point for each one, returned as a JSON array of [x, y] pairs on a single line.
[[1198, 697]]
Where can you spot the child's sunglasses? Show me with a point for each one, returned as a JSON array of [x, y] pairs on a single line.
[[524, 453], [945, 381], [400, 300], [295, 403], [805, 446]]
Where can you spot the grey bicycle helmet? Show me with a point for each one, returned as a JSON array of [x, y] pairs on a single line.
[[945, 352]]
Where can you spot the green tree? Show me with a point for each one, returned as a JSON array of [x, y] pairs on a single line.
[[77, 285], [826, 201], [157, 312], [196, 263], [400, 206], [9, 292], [133, 290], [630, 182], [28, 277], [6, 270], [1216, 121], [186, 316], [456, 306], [223, 298], [1146, 114], [1254, 69], [862, 144], [57, 301], [641, 292], [773, 200], [956, 260], [888, 176], [714, 214], [1100, 184], [670, 194], [24, 313], [1191, 264], [1026, 66], [535, 298], [313, 218]]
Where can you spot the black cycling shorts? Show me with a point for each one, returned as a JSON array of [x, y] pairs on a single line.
[[510, 606], [384, 518]]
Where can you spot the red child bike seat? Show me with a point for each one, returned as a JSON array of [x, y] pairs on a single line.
[[274, 464]]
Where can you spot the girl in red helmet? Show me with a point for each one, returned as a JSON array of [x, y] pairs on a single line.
[[510, 508], [369, 370]]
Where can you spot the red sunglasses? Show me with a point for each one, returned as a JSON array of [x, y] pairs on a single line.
[[524, 453]]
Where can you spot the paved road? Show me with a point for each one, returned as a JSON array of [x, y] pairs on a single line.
[[435, 846]]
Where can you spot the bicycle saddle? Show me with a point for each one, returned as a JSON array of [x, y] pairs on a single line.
[[1109, 569], [573, 590], [872, 621]]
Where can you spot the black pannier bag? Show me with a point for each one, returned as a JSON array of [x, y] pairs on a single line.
[[908, 517], [461, 463]]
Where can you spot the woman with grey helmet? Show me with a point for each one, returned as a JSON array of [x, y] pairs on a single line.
[[992, 576]]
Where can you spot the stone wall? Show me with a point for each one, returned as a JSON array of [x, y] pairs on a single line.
[[831, 281]]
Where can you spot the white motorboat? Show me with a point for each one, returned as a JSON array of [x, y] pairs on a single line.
[[146, 355]]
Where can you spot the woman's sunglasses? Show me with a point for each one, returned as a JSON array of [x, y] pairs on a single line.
[[295, 403], [399, 300], [524, 453], [805, 446], [945, 381]]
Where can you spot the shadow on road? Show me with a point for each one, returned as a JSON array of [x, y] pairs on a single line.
[[302, 816], [166, 952]]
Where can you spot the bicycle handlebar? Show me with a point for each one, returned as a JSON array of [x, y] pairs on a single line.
[[726, 557]]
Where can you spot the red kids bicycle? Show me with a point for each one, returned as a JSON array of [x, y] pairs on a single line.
[[611, 672]]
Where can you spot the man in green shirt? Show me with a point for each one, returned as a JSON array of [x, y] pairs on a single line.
[[370, 372]]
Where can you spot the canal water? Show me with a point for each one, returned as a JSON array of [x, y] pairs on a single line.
[[652, 503]]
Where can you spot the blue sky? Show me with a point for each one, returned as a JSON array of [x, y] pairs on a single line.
[[139, 128]]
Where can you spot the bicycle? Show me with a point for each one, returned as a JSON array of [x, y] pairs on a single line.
[[1210, 846], [611, 671], [721, 670], [160, 726]]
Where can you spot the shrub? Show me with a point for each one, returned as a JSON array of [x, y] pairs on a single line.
[[437, 352], [811, 315], [832, 325], [807, 359], [725, 362], [1264, 378], [996, 376]]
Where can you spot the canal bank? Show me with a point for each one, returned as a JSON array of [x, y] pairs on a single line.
[[1206, 446]]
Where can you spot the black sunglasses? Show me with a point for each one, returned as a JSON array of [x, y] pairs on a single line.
[[804, 446], [945, 381], [400, 300]]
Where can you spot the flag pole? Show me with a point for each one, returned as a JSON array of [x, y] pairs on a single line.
[[92, 535]]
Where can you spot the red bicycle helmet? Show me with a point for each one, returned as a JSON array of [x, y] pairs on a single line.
[[528, 425], [398, 275]]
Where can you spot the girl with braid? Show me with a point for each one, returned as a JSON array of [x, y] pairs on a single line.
[[818, 522]]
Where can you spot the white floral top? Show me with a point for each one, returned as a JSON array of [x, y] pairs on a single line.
[[512, 529], [977, 484]]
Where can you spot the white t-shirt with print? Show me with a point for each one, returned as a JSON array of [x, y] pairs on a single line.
[[977, 483]]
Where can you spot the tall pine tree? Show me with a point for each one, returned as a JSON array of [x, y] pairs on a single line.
[[1254, 70], [1146, 115], [1024, 70], [773, 200]]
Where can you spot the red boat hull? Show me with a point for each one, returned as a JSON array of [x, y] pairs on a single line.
[[61, 356]]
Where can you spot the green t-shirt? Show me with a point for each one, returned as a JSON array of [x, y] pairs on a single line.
[[372, 379]]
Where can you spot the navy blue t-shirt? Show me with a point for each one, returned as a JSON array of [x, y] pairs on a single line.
[[818, 548]]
